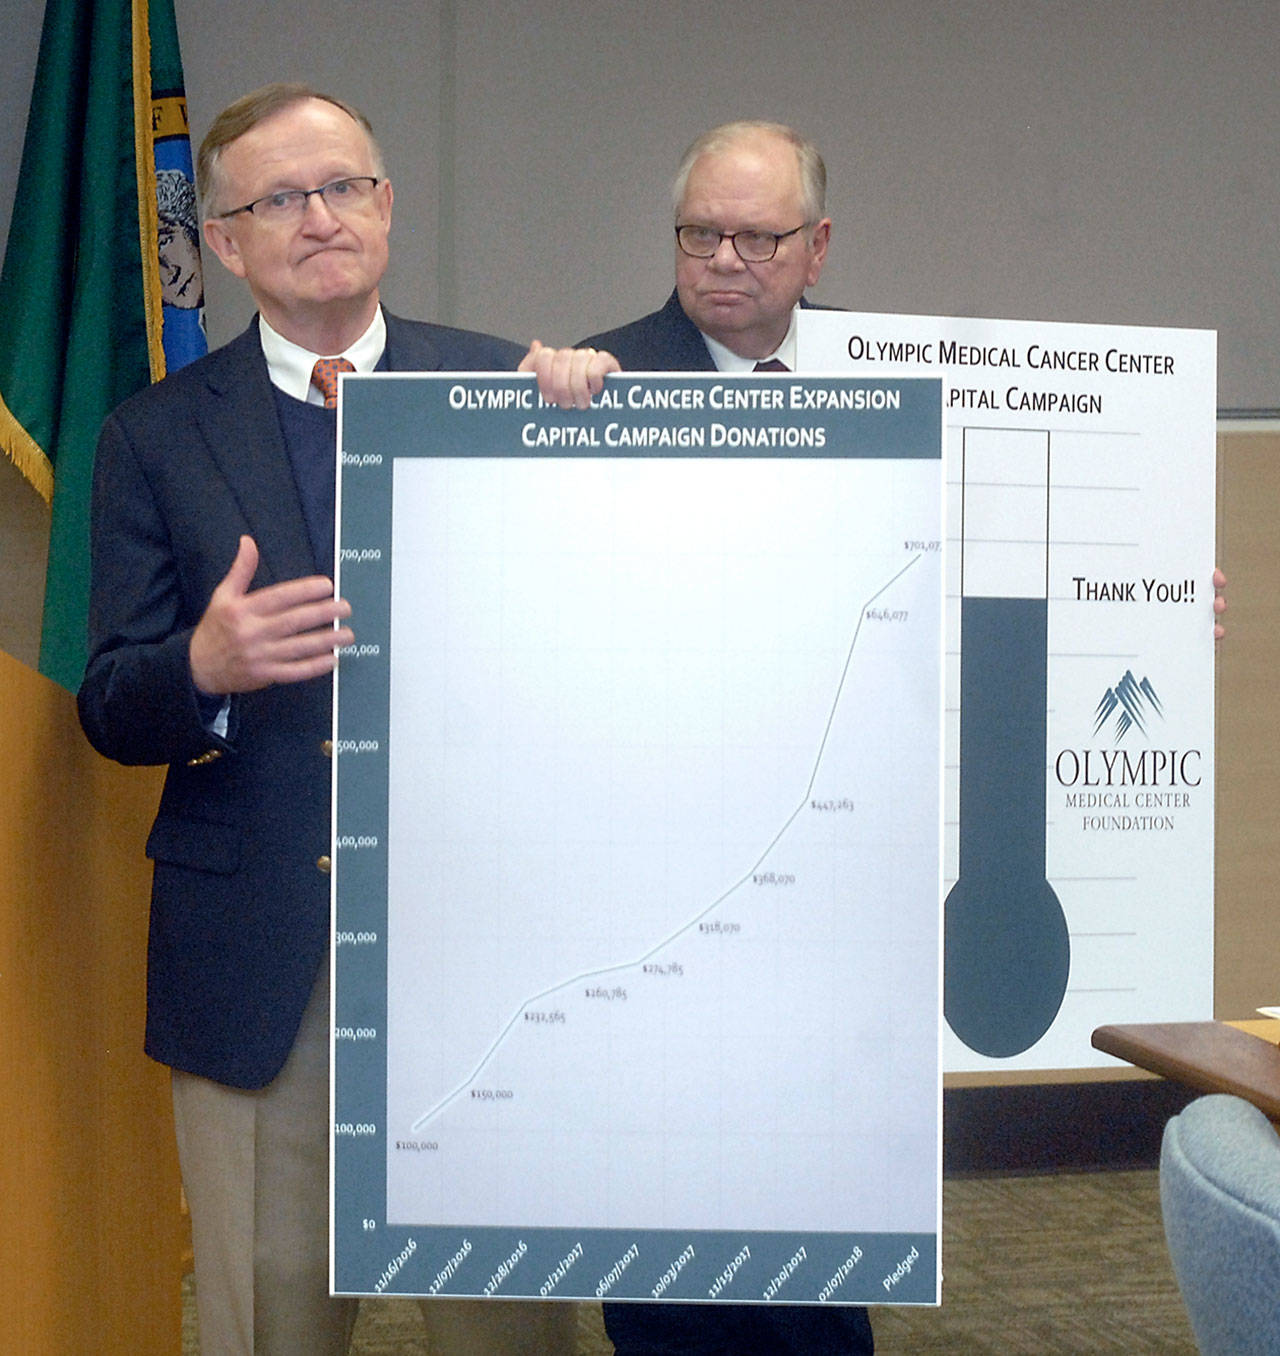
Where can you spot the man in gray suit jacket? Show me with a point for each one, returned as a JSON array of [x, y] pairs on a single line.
[[751, 234], [213, 634]]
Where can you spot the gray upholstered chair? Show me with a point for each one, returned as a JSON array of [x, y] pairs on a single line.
[[1220, 1197]]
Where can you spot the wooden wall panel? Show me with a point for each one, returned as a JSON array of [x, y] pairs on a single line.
[[1247, 885], [90, 1231]]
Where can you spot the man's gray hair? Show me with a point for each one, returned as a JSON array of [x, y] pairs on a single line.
[[813, 173], [244, 115]]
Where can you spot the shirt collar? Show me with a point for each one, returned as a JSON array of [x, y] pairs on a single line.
[[726, 360], [289, 365]]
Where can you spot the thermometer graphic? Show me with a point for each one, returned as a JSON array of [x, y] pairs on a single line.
[[1007, 951]]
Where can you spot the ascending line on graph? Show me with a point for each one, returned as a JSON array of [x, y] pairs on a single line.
[[693, 922]]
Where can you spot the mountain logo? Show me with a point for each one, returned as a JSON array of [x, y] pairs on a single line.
[[1131, 702]]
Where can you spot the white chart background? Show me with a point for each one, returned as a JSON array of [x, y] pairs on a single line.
[[618, 691]]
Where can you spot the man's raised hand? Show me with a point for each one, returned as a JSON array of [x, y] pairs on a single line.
[[282, 633]]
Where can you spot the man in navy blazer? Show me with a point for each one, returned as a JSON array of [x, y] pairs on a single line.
[[751, 234], [213, 635]]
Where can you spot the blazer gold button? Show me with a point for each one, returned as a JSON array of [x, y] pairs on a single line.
[[323, 864], [326, 747]]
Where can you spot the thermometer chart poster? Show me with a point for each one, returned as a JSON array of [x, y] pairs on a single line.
[[637, 884], [1079, 787]]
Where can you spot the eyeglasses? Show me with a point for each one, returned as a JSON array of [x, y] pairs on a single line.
[[752, 247], [342, 195]]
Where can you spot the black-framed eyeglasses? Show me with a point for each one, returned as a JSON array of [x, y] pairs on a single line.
[[752, 247], [342, 195]]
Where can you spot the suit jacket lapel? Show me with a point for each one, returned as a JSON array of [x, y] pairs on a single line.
[[409, 349], [242, 432], [688, 351], [240, 427]]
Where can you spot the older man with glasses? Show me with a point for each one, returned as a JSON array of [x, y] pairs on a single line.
[[751, 234], [213, 634]]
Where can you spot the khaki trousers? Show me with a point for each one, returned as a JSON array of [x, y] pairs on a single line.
[[255, 1167]]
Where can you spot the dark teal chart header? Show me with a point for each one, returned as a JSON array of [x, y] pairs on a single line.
[[649, 416]]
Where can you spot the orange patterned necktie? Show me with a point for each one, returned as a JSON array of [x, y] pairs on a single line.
[[324, 377]]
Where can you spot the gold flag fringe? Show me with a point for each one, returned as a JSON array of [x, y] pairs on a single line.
[[26, 454], [148, 212]]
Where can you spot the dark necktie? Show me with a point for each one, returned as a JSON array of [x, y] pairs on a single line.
[[773, 365], [324, 377]]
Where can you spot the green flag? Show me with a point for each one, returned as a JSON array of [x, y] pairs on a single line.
[[101, 273]]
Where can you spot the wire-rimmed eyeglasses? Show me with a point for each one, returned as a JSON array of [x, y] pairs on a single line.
[[342, 195]]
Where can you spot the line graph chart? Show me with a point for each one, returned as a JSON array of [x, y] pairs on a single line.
[[628, 809], [638, 886], [528, 1008]]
